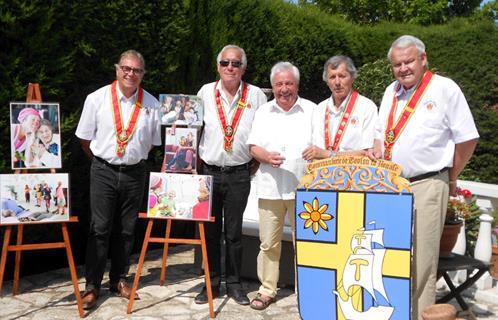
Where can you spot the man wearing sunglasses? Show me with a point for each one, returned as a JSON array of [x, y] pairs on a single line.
[[229, 107], [118, 127]]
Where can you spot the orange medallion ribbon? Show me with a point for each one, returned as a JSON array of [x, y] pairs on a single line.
[[123, 136], [343, 124], [229, 129], [394, 130]]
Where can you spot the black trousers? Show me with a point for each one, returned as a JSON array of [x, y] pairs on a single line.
[[230, 192], [115, 199]]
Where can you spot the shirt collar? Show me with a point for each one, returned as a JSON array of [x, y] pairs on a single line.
[[402, 91], [342, 106], [297, 107], [219, 87], [121, 97]]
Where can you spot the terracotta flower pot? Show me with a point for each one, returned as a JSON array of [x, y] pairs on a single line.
[[493, 268], [448, 239]]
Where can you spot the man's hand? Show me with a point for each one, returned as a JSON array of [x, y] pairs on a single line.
[[313, 153], [275, 159], [375, 152]]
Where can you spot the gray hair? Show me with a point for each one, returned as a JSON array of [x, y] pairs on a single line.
[[334, 63], [284, 66], [132, 53], [232, 46], [405, 42]]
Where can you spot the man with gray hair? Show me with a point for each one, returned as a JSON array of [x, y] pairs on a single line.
[[229, 108], [280, 132], [344, 123], [426, 126], [117, 129]]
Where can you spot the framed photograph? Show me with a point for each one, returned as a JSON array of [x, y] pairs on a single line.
[[35, 140], [181, 109], [180, 150], [34, 197], [180, 196]]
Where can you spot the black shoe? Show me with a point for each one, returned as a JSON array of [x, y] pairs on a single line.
[[202, 297], [238, 295]]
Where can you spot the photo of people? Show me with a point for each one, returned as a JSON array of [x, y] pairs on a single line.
[[35, 135], [180, 153], [179, 196], [34, 197], [181, 109]]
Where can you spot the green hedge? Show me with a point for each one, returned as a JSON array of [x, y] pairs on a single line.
[[70, 49]]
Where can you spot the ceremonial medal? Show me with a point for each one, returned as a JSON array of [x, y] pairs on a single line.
[[122, 137], [394, 130], [230, 129], [390, 136]]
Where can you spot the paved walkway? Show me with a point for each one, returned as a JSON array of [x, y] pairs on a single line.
[[50, 296]]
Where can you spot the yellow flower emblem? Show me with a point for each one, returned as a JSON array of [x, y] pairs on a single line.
[[315, 216]]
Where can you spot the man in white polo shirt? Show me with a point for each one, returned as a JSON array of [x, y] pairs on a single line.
[[343, 124], [118, 127], [229, 108], [280, 133], [425, 125]]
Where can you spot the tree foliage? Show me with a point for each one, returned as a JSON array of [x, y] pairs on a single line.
[[412, 11]]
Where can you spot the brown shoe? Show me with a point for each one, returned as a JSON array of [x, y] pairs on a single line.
[[89, 299], [121, 289]]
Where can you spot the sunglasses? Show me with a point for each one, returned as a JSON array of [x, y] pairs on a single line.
[[235, 63]]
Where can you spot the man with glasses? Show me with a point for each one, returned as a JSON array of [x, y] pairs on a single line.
[[229, 107], [118, 127]]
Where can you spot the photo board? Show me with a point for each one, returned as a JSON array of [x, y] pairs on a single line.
[[179, 196], [181, 109], [180, 150], [35, 140], [34, 197]]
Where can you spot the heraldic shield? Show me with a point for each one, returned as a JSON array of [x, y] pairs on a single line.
[[353, 240]]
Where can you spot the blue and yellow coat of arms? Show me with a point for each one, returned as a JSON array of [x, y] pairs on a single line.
[[353, 240]]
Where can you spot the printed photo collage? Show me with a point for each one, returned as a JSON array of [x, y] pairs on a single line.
[[35, 144]]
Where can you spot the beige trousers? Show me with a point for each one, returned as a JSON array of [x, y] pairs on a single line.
[[271, 224], [430, 202]]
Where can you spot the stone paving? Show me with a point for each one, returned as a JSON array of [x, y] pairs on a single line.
[[50, 296]]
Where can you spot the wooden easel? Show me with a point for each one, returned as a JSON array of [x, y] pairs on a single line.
[[34, 95], [167, 240]]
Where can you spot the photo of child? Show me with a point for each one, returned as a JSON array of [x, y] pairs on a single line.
[[35, 135], [179, 196]]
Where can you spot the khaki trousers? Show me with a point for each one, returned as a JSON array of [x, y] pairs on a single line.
[[430, 202], [271, 224]]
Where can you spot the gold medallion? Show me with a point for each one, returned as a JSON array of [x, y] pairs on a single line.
[[390, 136], [229, 131], [123, 136]]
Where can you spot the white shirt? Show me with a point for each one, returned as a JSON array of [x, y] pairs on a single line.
[[441, 120], [97, 124], [360, 131], [211, 146], [288, 133]]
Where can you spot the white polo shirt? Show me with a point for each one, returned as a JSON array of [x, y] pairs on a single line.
[[441, 120], [360, 131], [288, 133], [211, 146], [97, 124]]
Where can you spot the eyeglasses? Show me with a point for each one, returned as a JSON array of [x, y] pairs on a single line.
[[127, 69], [235, 63]]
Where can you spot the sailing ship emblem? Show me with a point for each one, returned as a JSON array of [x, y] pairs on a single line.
[[363, 270]]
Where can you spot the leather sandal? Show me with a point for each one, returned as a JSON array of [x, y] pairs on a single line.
[[262, 303]]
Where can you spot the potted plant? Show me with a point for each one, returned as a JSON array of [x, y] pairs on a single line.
[[459, 208], [493, 268]]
